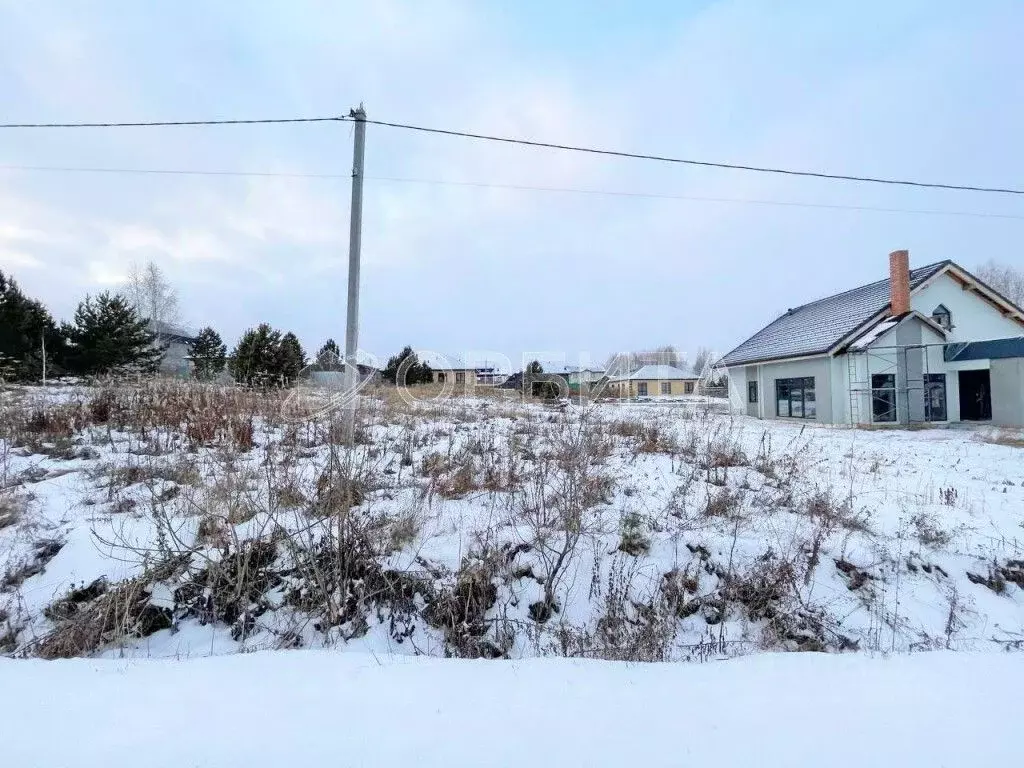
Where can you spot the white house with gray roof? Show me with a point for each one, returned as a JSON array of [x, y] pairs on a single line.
[[931, 344]]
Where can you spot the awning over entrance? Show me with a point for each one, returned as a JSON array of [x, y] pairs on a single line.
[[994, 349]]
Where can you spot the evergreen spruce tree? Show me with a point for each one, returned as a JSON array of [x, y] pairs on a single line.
[[425, 374], [25, 325], [329, 355], [108, 336], [408, 363], [256, 359], [208, 354], [291, 358]]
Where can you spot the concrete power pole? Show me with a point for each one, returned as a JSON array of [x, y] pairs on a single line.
[[355, 237]]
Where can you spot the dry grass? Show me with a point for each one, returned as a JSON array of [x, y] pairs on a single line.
[[1005, 437], [13, 506], [89, 618]]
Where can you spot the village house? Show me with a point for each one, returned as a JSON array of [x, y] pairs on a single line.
[[932, 344], [455, 369], [653, 381], [176, 344]]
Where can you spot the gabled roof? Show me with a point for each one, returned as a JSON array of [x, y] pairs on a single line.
[[168, 332], [565, 369], [656, 373], [874, 332], [815, 328]]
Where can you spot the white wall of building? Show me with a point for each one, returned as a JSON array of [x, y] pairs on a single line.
[[974, 319]]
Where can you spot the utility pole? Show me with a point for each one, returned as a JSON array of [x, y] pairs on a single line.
[[42, 340], [355, 237]]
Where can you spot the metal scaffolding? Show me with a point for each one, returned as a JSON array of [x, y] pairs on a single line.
[[911, 386]]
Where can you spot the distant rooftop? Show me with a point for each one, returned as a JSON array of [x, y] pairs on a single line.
[[657, 373]]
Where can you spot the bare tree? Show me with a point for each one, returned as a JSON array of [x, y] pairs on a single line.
[[627, 362], [151, 294], [1008, 280], [703, 359]]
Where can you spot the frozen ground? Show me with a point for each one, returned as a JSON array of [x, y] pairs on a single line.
[[179, 521], [305, 708]]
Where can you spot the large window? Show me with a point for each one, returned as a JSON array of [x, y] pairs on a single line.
[[883, 397], [641, 388], [795, 398], [751, 391], [935, 397], [688, 388], [666, 387]]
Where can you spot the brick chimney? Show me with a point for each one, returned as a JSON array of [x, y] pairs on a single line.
[[899, 282]]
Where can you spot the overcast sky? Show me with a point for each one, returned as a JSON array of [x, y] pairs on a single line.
[[921, 90]]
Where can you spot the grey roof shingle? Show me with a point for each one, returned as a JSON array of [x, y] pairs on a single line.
[[657, 373], [814, 328]]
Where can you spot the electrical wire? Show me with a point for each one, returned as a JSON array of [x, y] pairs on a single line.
[[544, 145], [515, 187], [702, 163], [166, 123]]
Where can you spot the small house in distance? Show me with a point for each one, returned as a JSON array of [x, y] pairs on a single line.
[[177, 348], [653, 381], [579, 378], [453, 369], [929, 345], [328, 370]]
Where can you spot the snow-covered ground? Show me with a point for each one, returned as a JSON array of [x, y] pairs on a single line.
[[305, 708], [183, 522]]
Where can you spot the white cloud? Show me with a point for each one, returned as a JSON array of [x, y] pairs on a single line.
[[452, 267], [16, 259]]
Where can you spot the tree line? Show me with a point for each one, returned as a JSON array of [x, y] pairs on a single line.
[[109, 334]]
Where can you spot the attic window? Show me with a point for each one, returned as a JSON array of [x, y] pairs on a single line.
[[942, 317]]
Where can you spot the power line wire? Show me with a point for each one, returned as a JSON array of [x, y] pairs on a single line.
[[166, 123], [514, 187], [175, 172], [701, 163], [544, 145]]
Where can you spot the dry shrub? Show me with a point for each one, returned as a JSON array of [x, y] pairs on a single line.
[[724, 503], [828, 511], [403, 529], [629, 627], [552, 508], [207, 414], [631, 428], [459, 482], [722, 454], [181, 471], [999, 576], [929, 532], [634, 538], [769, 593], [461, 612], [232, 589], [344, 483], [89, 618], [54, 421], [334, 573], [12, 508], [434, 465], [43, 551]]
